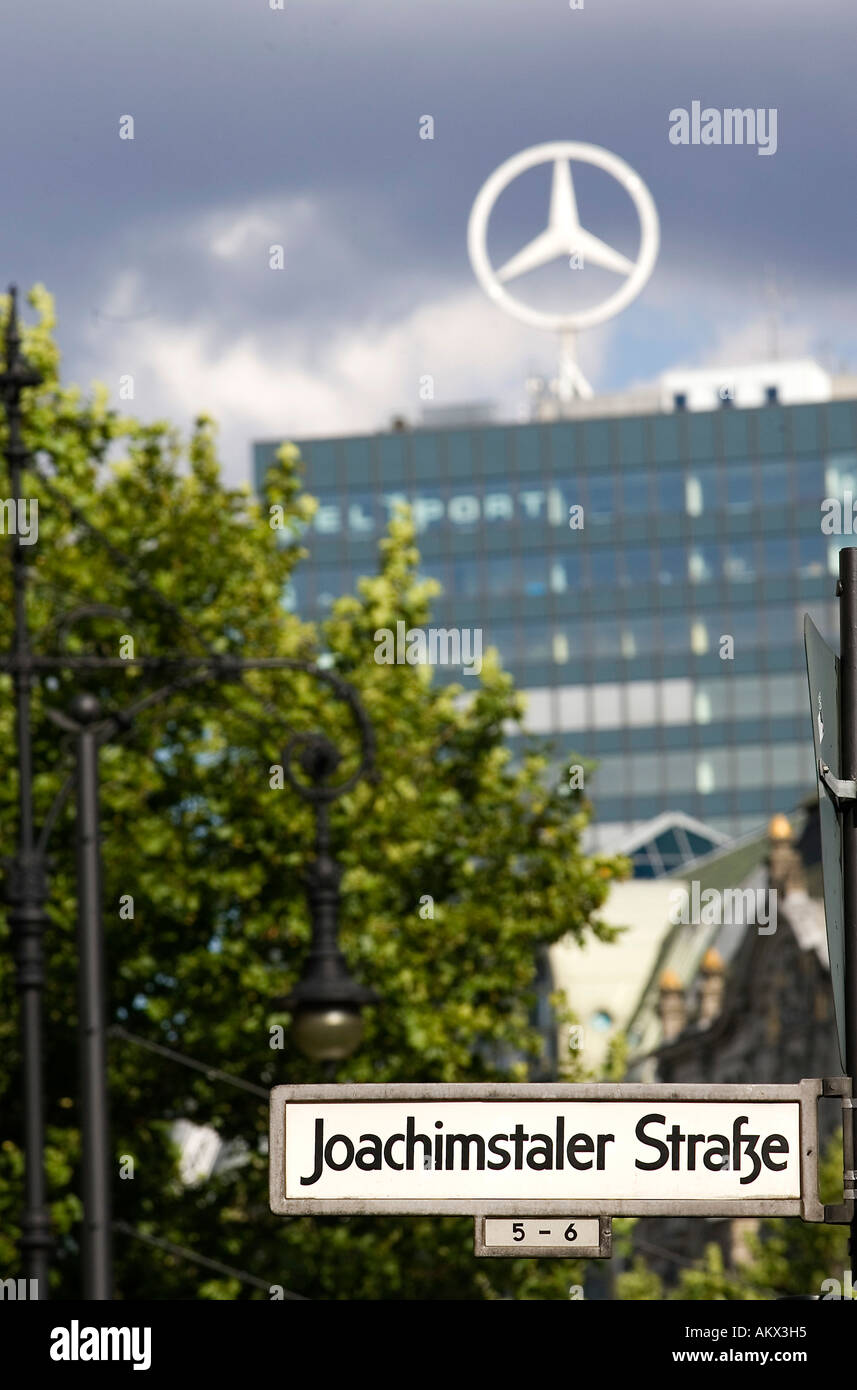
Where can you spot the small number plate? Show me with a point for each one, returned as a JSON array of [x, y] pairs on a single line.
[[586, 1237]]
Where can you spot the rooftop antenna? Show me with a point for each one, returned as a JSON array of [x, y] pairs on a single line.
[[774, 302]]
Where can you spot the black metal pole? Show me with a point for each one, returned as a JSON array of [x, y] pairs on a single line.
[[26, 887], [848, 726], [95, 1124]]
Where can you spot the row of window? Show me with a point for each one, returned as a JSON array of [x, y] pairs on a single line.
[[586, 445], [536, 572], [678, 701], [769, 627], [729, 633], [710, 771], [731, 490]]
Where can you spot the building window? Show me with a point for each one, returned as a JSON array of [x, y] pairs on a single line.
[[607, 707], [674, 627], [702, 707], [500, 574], [605, 636], [739, 487], [637, 565], [642, 704], [698, 637], [840, 475], [535, 573], [704, 778], [672, 564], [466, 579], [601, 498], [603, 567], [809, 480], [702, 564], [569, 572], [777, 554], [670, 493], [693, 496], [785, 694], [634, 489], [537, 641], [740, 561], [810, 551]]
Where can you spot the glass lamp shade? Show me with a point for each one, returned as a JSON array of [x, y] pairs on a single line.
[[327, 1033]]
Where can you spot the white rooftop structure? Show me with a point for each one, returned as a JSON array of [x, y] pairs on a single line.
[[799, 381], [763, 383]]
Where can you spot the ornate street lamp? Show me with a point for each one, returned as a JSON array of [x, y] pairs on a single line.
[[327, 1003]]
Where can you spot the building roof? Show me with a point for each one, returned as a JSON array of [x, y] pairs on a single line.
[[663, 845]]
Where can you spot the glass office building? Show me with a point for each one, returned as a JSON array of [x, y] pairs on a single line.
[[699, 526]]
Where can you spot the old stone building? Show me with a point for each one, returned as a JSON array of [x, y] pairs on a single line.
[[757, 1008]]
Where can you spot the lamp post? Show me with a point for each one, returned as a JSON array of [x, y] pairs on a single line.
[[92, 1027], [326, 1002], [330, 1001], [26, 882]]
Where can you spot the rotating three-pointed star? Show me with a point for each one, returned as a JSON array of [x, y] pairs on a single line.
[[564, 235]]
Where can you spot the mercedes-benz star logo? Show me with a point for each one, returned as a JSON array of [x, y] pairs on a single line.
[[564, 235]]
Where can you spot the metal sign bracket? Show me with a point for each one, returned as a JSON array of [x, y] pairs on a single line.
[[840, 792], [842, 1213]]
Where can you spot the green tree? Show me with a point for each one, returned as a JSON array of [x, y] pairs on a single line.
[[211, 853]]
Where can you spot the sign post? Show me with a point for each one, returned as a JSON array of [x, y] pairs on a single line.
[[847, 590], [833, 701]]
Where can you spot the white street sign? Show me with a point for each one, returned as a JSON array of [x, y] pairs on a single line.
[[588, 1237], [562, 1233], [499, 1150]]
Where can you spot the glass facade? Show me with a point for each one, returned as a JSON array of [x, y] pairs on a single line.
[[697, 528]]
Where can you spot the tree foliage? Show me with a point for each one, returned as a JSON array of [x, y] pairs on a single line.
[[213, 855]]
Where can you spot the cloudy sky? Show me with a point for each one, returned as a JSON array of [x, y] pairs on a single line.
[[300, 126]]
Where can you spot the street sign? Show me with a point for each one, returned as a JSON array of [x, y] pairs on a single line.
[[500, 1150], [563, 1237], [822, 665]]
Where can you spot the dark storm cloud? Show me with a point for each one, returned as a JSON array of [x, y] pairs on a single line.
[[240, 108]]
